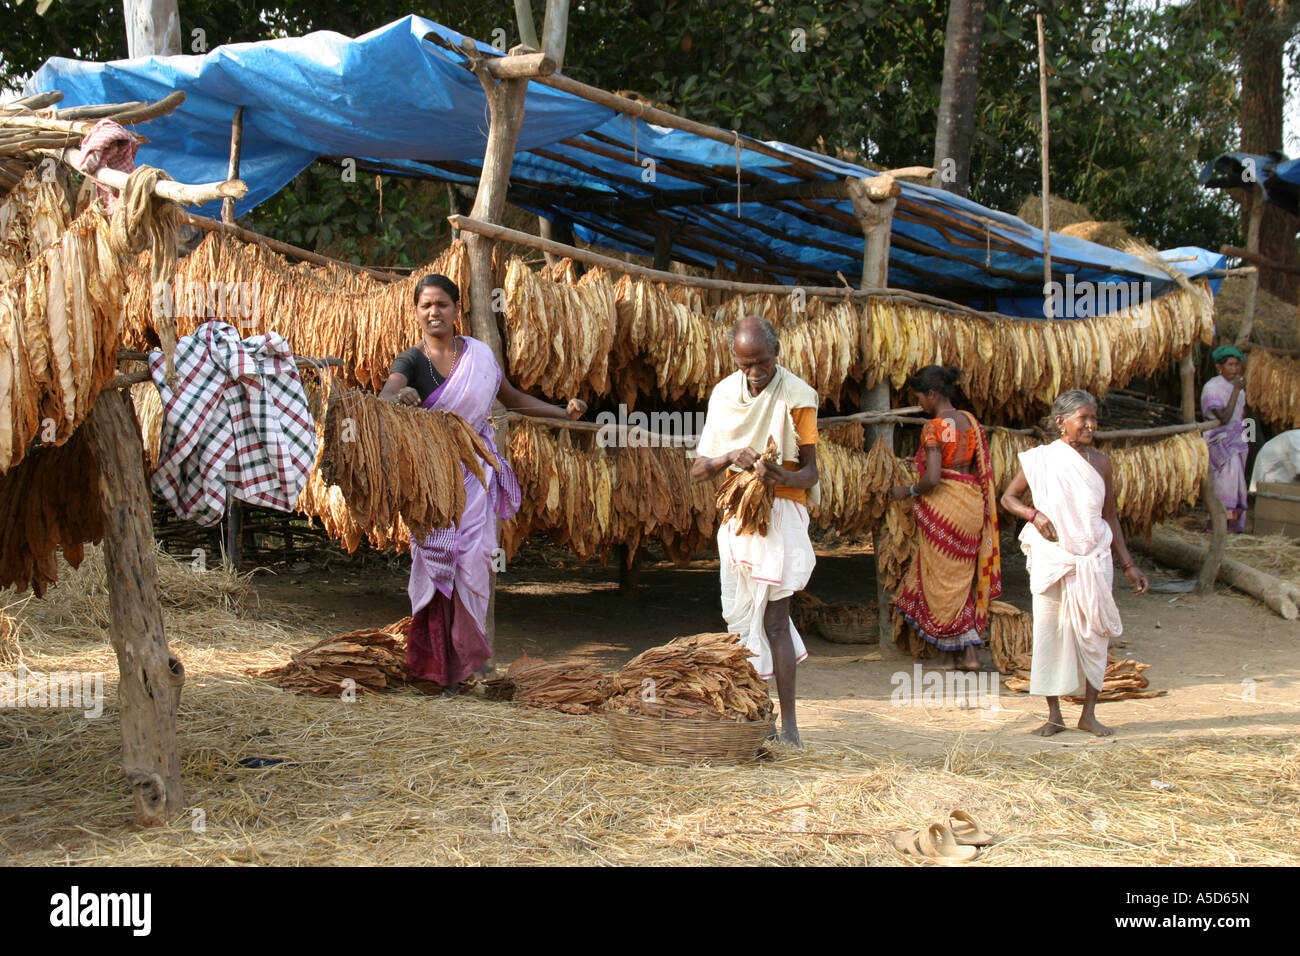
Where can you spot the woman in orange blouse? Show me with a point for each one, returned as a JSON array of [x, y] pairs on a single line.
[[957, 570]]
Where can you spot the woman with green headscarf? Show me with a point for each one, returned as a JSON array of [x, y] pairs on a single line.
[[1223, 400]]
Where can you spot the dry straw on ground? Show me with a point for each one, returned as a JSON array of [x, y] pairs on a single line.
[[1275, 554], [408, 778]]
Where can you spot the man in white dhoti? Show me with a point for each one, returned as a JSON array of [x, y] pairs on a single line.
[[1072, 532], [760, 573]]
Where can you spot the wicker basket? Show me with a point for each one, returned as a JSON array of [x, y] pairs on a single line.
[[680, 742], [849, 623]]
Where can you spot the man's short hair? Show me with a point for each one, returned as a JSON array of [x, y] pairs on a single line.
[[770, 338]]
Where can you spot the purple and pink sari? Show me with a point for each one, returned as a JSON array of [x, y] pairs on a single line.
[[451, 569], [1228, 449]]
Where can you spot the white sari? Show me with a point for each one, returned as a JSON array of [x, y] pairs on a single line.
[[1075, 615]]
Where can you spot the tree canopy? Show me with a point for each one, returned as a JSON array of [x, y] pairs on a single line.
[[1140, 95]]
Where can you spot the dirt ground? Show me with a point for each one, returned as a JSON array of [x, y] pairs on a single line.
[[1228, 663], [1207, 775]]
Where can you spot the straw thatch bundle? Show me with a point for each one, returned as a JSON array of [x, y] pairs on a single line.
[[706, 676], [1274, 321], [366, 660], [1110, 234], [1062, 211]]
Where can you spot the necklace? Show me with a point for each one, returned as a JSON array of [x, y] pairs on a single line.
[[438, 379]]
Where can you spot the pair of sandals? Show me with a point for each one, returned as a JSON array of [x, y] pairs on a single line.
[[957, 841]]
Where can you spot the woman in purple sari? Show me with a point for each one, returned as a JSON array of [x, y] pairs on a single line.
[[450, 569], [1223, 400]]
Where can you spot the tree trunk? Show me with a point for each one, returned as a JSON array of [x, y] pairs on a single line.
[[1263, 33], [153, 27], [150, 675], [955, 127]]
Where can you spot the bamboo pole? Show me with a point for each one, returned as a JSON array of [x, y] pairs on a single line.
[[1049, 305]]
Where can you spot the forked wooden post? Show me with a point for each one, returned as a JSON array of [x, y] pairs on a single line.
[[151, 676], [873, 204]]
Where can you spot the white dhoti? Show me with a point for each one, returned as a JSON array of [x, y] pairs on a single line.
[[757, 570], [1071, 578]]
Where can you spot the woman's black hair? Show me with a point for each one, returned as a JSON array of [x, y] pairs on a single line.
[[438, 281], [935, 378]]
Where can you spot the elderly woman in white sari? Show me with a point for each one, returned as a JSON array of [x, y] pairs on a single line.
[[1072, 531]]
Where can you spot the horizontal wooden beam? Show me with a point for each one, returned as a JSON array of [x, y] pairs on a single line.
[[285, 249], [1163, 431], [722, 195], [186, 194], [504, 234], [1239, 253]]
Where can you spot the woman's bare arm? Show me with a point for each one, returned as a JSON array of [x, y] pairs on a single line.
[[518, 401]]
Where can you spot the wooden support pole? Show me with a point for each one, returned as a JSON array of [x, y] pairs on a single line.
[[876, 217], [663, 245], [527, 28], [505, 117], [1255, 201], [555, 31], [1187, 387], [151, 677], [559, 230], [232, 171]]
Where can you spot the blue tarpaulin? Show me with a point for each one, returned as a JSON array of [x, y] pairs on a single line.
[[400, 98]]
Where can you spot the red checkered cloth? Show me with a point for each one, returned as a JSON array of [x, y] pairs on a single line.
[[108, 144], [236, 422]]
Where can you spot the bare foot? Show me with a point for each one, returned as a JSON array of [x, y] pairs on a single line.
[[790, 737], [1048, 729], [969, 661], [451, 691], [1094, 726], [946, 661]]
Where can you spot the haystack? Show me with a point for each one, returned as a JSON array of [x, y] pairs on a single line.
[[1063, 212], [1275, 320]]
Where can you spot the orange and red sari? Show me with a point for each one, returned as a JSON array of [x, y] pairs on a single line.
[[957, 570]]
